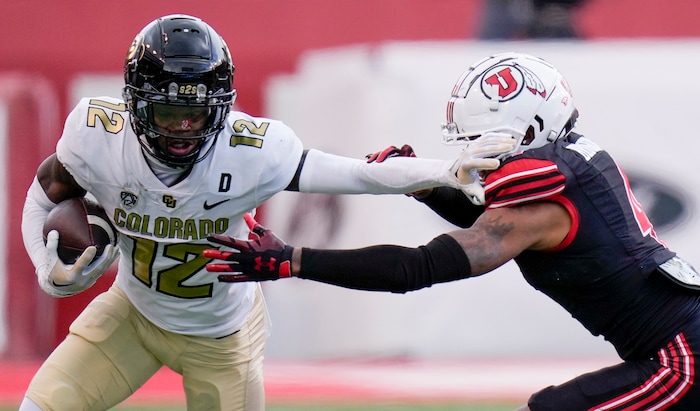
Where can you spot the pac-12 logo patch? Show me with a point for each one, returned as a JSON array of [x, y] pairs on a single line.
[[505, 82], [129, 199]]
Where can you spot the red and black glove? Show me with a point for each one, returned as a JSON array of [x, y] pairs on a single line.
[[391, 151], [263, 257]]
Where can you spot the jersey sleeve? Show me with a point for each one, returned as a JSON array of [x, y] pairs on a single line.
[[523, 180], [284, 155], [82, 141], [273, 161]]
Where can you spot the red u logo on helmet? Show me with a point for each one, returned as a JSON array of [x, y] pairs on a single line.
[[504, 80]]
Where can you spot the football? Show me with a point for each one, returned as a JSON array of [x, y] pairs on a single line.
[[80, 223]]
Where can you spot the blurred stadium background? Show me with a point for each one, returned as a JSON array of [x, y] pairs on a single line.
[[352, 77]]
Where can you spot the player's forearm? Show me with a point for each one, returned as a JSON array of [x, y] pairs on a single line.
[[327, 173], [36, 208], [452, 205], [385, 267]]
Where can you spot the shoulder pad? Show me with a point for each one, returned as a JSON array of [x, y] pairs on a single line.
[[522, 180]]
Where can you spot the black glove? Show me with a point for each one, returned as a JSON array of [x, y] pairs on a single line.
[[391, 151], [263, 257]]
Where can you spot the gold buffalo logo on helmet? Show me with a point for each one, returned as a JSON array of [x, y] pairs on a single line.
[[136, 48]]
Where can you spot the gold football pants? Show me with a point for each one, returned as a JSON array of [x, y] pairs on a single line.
[[112, 350]]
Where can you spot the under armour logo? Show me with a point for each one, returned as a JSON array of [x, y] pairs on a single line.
[[259, 264]]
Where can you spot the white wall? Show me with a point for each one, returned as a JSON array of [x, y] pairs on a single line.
[[637, 99]]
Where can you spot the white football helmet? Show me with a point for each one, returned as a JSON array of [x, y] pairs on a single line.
[[513, 93]]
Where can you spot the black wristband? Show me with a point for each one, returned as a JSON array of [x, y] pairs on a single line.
[[388, 267]]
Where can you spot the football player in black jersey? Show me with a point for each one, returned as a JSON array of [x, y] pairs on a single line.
[[562, 209]]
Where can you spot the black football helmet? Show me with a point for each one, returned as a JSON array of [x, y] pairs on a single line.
[[178, 64]]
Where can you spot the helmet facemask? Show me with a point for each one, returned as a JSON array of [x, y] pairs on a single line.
[[161, 121]]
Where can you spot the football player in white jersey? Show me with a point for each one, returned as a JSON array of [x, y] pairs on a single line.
[[172, 163]]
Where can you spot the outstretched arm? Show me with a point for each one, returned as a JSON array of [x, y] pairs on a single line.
[[328, 173], [496, 237], [320, 172], [447, 202]]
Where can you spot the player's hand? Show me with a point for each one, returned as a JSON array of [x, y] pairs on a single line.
[[479, 156], [263, 257], [63, 280], [393, 151]]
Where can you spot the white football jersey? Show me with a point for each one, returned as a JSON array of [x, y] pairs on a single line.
[[164, 229]]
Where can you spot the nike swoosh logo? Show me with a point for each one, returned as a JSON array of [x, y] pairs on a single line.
[[210, 206]]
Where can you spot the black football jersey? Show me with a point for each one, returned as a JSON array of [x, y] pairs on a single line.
[[605, 271]]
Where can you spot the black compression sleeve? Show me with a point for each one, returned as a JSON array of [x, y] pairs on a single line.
[[388, 267], [452, 205]]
